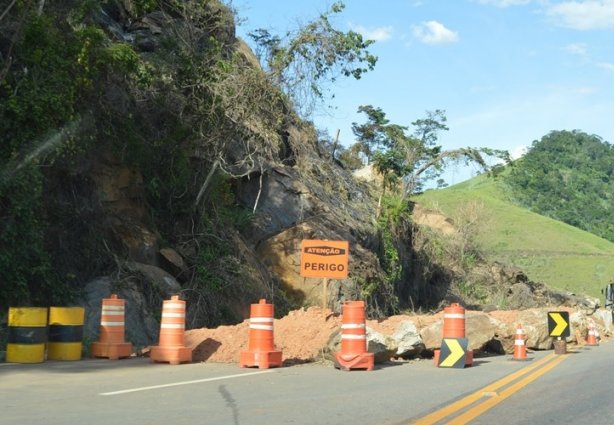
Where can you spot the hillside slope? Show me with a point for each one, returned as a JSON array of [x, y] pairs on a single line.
[[548, 251]]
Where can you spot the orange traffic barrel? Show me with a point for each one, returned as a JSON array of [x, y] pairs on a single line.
[[171, 348], [354, 354], [454, 327], [261, 350], [520, 348], [454, 321], [591, 339], [111, 342], [65, 333], [27, 335]]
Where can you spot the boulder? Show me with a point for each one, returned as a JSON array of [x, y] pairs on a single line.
[[521, 296], [160, 280], [579, 327], [604, 319], [407, 340], [173, 262], [480, 330], [382, 346], [535, 324]]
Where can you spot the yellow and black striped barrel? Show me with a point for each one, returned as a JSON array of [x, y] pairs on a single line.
[[65, 333], [27, 335]]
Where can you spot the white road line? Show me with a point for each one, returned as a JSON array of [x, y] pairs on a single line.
[[176, 384], [8, 364]]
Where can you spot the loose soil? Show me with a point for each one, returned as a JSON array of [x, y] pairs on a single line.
[[301, 335], [304, 334]]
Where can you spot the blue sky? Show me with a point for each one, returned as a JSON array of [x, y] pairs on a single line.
[[506, 72]]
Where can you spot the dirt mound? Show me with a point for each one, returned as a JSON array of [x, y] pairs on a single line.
[[426, 217], [301, 335]]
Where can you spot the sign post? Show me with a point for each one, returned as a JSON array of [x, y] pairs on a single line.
[[325, 259], [558, 327]]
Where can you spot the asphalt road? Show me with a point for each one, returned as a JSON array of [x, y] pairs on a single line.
[[574, 390]]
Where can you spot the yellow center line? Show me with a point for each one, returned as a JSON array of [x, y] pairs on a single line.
[[493, 401], [472, 398]]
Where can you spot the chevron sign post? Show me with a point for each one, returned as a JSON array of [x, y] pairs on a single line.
[[453, 352], [558, 324]]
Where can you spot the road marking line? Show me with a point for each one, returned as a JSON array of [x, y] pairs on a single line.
[[491, 402], [472, 398], [8, 364], [177, 384]]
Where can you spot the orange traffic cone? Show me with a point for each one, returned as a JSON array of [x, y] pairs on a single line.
[[172, 334], [112, 328], [354, 354], [591, 339], [261, 348], [520, 348]]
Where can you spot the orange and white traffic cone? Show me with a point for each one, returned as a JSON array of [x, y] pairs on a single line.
[[172, 347], [261, 348], [520, 348], [591, 339], [354, 354], [112, 329]]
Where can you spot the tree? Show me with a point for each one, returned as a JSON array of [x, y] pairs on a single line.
[[411, 160], [376, 133], [568, 176], [303, 61]]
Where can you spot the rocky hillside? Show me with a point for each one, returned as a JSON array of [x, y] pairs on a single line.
[[161, 159]]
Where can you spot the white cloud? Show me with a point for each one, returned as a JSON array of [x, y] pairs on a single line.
[[518, 151], [584, 15], [433, 32], [607, 66], [504, 3], [584, 90], [377, 34], [576, 49]]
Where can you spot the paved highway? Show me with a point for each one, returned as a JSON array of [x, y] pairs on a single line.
[[573, 388]]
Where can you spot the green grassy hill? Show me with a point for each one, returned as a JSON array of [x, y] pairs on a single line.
[[548, 251]]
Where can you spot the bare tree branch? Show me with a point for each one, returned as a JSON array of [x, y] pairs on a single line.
[[9, 7], [206, 183]]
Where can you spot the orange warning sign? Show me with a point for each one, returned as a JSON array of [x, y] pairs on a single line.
[[325, 259]]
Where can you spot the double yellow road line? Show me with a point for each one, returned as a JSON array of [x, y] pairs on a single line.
[[488, 397]]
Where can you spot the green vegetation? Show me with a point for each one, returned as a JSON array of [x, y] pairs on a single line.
[[409, 160], [569, 176], [187, 114], [303, 62], [182, 107], [52, 71], [549, 251]]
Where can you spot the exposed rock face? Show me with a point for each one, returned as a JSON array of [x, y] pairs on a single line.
[[300, 195], [121, 193], [293, 207]]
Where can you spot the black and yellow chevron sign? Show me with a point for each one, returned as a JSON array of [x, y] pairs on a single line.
[[558, 323], [453, 352]]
